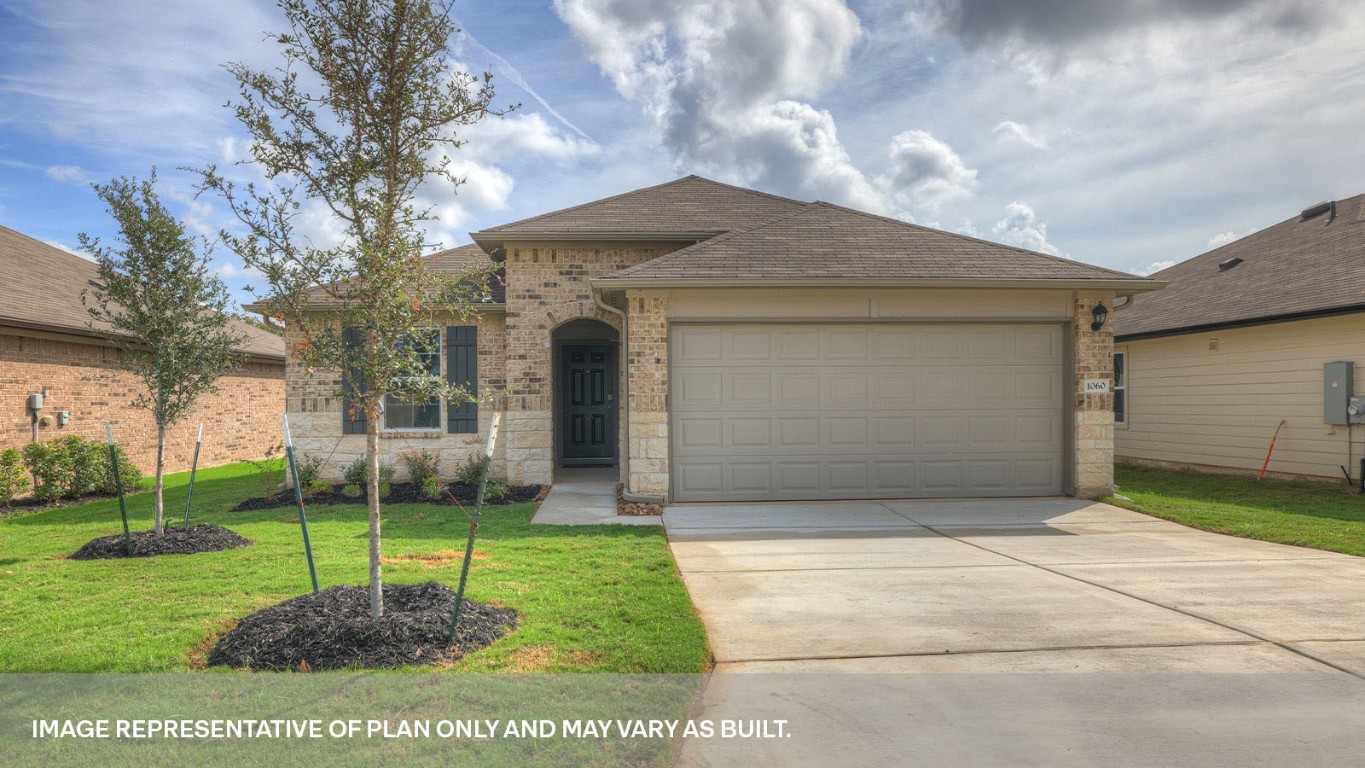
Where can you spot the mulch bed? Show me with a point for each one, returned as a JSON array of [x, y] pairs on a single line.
[[177, 541], [399, 493], [333, 630]]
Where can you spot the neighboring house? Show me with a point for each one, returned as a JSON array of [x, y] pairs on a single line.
[[47, 346], [1237, 342], [717, 343]]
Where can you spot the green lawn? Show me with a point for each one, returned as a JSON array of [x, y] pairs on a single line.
[[589, 599], [1307, 514]]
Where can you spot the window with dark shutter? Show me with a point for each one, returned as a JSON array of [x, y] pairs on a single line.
[[352, 417], [462, 368]]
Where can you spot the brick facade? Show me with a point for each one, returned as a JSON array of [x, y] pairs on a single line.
[[314, 405], [1093, 356], [548, 286], [648, 371], [240, 420]]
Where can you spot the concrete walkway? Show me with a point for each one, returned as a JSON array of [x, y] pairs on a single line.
[[1019, 632], [585, 496]]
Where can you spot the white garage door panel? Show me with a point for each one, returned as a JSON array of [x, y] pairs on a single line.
[[877, 411]]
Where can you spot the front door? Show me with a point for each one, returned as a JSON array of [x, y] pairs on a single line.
[[588, 403]]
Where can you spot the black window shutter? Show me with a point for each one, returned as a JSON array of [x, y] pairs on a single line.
[[462, 368], [352, 417]]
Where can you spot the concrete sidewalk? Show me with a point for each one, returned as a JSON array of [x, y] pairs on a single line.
[[585, 497], [1081, 613]]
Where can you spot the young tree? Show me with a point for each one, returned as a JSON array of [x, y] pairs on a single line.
[[362, 113], [167, 309]]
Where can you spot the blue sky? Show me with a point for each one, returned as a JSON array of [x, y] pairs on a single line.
[[1130, 133]]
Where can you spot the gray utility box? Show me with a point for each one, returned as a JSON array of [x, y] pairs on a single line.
[[1338, 385]]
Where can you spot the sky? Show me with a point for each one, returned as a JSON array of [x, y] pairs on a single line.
[[1131, 134]]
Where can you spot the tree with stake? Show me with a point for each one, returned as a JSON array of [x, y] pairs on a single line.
[[362, 113], [168, 312]]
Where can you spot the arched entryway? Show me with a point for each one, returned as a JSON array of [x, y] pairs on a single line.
[[587, 403]]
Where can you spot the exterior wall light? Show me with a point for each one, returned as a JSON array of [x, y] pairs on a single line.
[[1100, 312]]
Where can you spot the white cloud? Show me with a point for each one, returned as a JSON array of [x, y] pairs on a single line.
[[68, 174], [1021, 227], [1221, 239], [73, 251], [729, 87], [1019, 132], [1155, 266]]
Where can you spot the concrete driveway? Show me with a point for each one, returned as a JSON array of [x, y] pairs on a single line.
[[1020, 632]]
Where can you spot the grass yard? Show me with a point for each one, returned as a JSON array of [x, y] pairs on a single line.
[[1307, 514], [590, 599]]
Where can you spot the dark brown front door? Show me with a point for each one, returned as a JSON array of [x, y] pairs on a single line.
[[588, 404]]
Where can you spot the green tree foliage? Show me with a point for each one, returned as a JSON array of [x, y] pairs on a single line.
[[363, 112], [167, 310]]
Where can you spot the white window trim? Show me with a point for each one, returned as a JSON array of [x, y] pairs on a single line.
[[384, 427], [1123, 387]]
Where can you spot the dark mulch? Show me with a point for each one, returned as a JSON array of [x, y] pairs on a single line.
[[399, 493], [333, 630], [177, 541]]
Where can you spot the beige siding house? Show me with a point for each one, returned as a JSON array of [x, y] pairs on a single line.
[[715, 343], [1237, 342]]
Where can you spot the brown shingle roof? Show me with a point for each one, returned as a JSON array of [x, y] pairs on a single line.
[[42, 291], [452, 261], [1293, 268], [821, 241], [688, 207]]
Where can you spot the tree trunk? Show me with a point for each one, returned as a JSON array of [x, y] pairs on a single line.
[[372, 499], [158, 504]]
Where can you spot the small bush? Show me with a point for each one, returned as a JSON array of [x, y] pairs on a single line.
[[269, 470], [50, 465], [317, 488], [421, 465], [384, 489], [72, 467], [433, 488], [353, 490], [308, 469], [13, 479], [355, 472], [128, 473], [497, 490], [470, 470]]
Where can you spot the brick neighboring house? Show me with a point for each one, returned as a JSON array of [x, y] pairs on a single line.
[[718, 343], [46, 346], [1237, 343]]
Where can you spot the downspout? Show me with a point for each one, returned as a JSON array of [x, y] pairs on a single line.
[[625, 395]]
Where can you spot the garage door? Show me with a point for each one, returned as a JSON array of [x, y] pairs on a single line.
[[773, 412]]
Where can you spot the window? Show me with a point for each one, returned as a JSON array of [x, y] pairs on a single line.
[[1120, 387], [401, 413]]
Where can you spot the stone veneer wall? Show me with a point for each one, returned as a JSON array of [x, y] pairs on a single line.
[[647, 313], [239, 419], [314, 406], [547, 286], [1093, 355]]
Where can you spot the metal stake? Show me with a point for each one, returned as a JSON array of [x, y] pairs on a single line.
[[474, 526], [194, 465], [118, 483], [298, 499]]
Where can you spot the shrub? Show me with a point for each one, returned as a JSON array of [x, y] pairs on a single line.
[[421, 465], [433, 488], [90, 471], [355, 473], [128, 473], [51, 467], [13, 479], [351, 489], [269, 470], [317, 488], [497, 490], [470, 470], [308, 469]]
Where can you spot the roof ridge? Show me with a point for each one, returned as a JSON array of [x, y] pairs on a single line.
[[969, 238], [642, 190]]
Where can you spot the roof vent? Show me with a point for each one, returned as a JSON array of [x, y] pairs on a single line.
[[1317, 210], [1224, 266]]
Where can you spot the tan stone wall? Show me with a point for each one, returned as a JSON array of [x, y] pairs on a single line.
[[1093, 354], [315, 404], [547, 286], [239, 420], [647, 314]]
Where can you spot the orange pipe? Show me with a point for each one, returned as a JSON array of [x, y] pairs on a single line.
[[1271, 449]]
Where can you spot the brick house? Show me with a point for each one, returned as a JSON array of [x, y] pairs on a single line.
[[719, 343], [47, 347]]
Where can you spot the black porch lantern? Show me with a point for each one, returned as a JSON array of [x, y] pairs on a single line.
[[1100, 312]]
